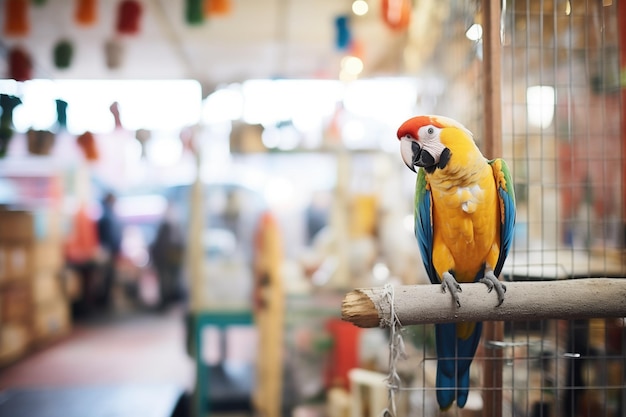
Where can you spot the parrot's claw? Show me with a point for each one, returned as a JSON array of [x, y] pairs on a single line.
[[448, 282], [491, 281]]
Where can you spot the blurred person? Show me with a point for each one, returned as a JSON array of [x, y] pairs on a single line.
[[110, 240], [166, 254]]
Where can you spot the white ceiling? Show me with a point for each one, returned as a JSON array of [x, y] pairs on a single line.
[[258, 39]]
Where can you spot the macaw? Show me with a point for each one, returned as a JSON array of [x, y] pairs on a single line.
[[464, 220]]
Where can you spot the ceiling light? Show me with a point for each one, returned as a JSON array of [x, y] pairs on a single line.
[[475, 32], [360, 7], [540, 100], [352, 65]]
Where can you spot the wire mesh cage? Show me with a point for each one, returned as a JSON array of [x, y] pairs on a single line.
[[562, 104]]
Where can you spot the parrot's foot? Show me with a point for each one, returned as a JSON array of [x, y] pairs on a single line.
[[449, 283], [491, 281]]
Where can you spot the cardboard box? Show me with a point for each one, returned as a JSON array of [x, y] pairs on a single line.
[[16, 226], [14, 341], [16, 261], [52, 319], [47, 255], [47, 287], [15, 304]]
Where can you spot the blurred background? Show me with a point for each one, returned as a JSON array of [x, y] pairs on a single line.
[[190, 188]]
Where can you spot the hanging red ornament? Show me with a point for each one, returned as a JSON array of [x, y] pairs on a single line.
[[86, 12], [217, 7], [16, 21], [128, 17], [20, 64], [396, 14]]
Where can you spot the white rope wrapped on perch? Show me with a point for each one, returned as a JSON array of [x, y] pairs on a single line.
[[528, 300]]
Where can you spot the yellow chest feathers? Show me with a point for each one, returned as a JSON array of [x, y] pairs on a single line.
[[466, 213]]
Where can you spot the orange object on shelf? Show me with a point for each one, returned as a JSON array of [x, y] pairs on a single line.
[[86, 12], [16, 22], [217, 7]]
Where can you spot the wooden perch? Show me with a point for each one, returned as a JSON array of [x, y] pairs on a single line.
[[529, 300]]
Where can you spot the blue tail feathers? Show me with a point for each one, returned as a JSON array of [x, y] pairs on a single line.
[[454, 357]]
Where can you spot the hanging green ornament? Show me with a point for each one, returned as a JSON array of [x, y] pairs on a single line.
[[63, 52], [7, 104], [194, 12], [61, 114]]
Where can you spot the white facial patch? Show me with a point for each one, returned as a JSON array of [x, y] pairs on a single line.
[[430, 142]]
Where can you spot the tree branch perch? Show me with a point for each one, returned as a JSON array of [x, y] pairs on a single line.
[[528, 300]]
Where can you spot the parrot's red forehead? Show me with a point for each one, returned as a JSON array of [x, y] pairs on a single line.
[[412, 125]]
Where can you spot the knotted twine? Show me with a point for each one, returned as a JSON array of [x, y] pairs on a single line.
[[396, 352]]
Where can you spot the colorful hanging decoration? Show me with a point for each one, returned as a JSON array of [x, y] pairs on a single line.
[[61, 114], [20, 64], [87, 143], [82, 242], [128, 17], [143, 136], [396, 14], [86, 12], [343, 36], [40, 142], [63, 52], [114, 53], [16, 22], [194, 13], [217, 7], [186, 137], [7, 104], [114, 108]]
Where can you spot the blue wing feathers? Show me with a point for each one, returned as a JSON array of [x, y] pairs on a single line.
[[506, 195], [424, 225]]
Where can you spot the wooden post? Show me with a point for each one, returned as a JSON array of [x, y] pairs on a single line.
[[492, 85], [195, 250], [269, 311]]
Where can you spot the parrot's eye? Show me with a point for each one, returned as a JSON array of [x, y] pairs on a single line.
[[431, 130]]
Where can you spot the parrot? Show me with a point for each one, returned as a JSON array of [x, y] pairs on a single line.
[[464, 221]]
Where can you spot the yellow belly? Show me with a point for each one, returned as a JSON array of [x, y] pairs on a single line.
[[466, 222]]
